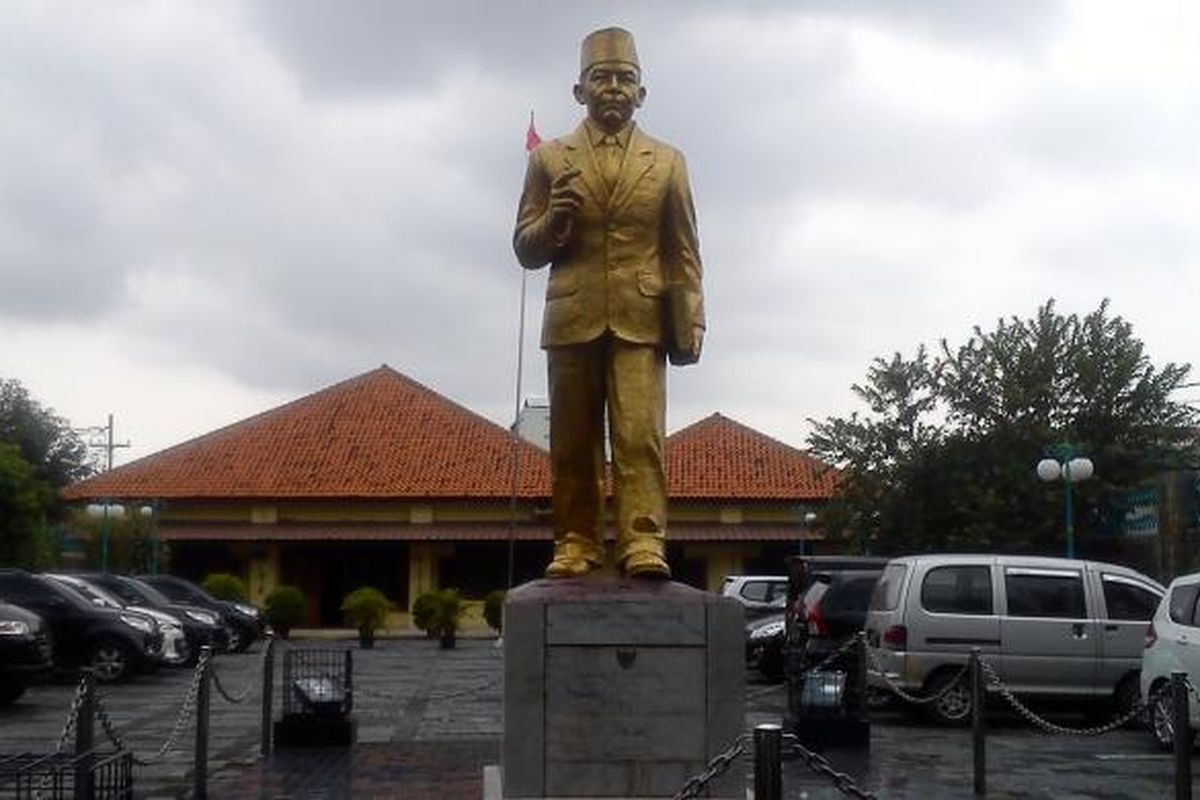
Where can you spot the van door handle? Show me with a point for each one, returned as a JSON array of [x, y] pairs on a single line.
[[1078, 630], [1112, 628]]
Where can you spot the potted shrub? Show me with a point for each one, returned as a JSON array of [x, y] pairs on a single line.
[[423, 611], [225, 586], [366, 609], [285, 608], [447, 611], [493, 610]]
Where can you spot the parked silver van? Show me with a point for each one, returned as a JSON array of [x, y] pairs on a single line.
[[1049, 627]]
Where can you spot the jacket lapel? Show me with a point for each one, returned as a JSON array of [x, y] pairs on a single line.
[[577, 152], [639, 158]]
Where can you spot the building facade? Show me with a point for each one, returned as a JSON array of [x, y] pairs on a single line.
[[381, 481]]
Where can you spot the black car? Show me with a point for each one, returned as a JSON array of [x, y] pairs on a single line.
[[764, 646], [245, 622], [114, 644], [201, 626], [25, 654]]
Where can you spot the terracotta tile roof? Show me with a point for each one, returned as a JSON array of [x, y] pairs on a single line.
[[480, 532], [378, 435], [717, 458]]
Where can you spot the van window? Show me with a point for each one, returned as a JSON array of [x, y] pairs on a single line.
[[1183, 602], [758, 591], [1045, 593], [1125, 599], [959, 589], [886, 595]]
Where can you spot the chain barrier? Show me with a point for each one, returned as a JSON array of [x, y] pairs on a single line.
[[68, 727], [1024, 711], [821, 766], [181, 721], [878, 670], [715, 768], [72, 716], [240, 697]]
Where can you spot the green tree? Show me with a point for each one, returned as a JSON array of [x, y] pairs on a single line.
[[24, 500], [44, 439], [944, 456]]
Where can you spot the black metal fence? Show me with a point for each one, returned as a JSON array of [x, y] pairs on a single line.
[[94, 774]]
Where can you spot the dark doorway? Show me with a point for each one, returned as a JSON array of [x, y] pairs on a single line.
[[327, 571]]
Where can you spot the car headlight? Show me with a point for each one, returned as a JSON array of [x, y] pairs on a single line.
[[203, 616], [141, 624], [768, 631], [249, 611], [13, 627]]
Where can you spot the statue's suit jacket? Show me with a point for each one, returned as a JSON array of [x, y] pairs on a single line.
[[630, 264]]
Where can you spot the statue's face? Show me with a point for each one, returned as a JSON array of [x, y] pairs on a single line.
[[612, 91]]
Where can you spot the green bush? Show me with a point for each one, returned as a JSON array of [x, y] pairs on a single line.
[[493, 610], [438, 613], [286, 607], [423, 610], [225, 586], [366, 608]]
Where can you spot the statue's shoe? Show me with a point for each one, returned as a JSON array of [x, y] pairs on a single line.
[[564, 566], [647, 565]]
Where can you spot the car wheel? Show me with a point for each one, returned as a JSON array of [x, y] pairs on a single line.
[[235, 639], [953, 703], [1162, 717], [9, 693], [110, 660]]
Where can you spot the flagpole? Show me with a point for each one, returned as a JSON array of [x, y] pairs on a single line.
[[532, 140], [516, 434]]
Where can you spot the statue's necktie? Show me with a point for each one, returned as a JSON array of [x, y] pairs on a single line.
[[610, 160]]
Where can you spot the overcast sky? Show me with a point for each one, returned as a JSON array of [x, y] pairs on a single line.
[[209, 209]]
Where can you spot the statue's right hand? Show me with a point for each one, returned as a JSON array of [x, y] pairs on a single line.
[[564, 200]]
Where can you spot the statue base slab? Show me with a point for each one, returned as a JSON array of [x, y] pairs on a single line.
[[619, 688]]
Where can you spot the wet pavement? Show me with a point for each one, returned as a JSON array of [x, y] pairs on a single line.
[[430, 719]]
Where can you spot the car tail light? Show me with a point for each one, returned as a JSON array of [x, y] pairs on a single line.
[[1151, 636], [816, 623], [896, 637]]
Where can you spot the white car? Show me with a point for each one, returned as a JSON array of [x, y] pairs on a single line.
[[174, 650], [759, 594], [1172, 643]]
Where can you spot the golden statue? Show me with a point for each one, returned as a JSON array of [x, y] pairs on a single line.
[[611, 211]]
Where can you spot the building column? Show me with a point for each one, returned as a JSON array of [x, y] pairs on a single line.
[[264, 571]]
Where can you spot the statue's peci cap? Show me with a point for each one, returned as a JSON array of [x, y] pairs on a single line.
[[607, 44]]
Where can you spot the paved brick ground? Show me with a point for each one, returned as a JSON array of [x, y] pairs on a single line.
[[430, 719]]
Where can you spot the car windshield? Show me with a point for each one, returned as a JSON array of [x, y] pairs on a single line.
[[70, 595], [181, 592], [94, 594], [136, 592]]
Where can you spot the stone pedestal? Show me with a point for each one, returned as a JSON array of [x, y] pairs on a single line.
[[619, 688]]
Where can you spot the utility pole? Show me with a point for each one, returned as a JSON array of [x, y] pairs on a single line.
[[108, 446]]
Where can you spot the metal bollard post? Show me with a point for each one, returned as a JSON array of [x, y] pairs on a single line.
[[978, 719], [200, 765], [85, 738], [349, 682], [768, 767], [268, 692], [1183, 737]]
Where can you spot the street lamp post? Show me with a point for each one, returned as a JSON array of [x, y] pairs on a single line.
[[1067, 464]]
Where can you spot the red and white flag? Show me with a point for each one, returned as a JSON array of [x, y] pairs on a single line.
[[532, 140]]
